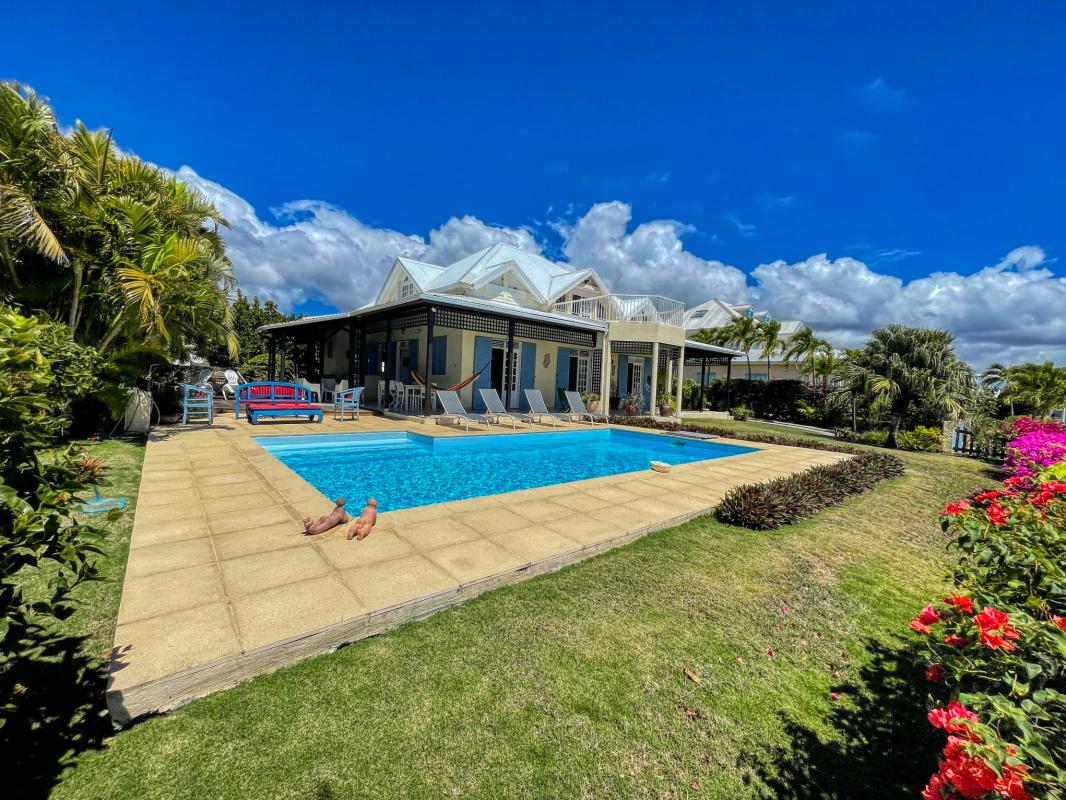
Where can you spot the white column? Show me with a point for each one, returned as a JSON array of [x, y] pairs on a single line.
[[605, 374], [654, 378], [680, 378]]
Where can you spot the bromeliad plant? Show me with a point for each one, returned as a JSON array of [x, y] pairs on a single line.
[[997, 644]]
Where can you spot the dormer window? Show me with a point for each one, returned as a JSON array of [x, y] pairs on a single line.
[[407, 288], [700, 313]]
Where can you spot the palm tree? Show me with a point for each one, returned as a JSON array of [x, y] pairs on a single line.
[[1041, 386], [999, 377], [907, 368], [803, 348], [826, 364], [769, 339], [741, 333]]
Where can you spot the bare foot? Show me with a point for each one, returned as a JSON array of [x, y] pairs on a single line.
[[338, 516], [365, 522]]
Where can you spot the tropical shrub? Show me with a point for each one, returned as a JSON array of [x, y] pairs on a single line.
[[878, 438], [995, 648], [784, 501], [740, 413], [761, 438], [923, 438], [38, 532]]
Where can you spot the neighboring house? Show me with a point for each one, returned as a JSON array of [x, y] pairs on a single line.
[[717, 314], [514, 319]]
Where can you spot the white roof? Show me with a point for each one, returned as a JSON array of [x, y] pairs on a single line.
[[546, 279], [717, 313]]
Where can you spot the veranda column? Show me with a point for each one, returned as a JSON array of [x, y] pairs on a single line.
[[604, 389], [654, 378], [703, 381], [427, 401], [728, 381], [680, 378], [272, 358]]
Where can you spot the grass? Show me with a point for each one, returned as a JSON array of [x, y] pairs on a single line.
[[572, 685]]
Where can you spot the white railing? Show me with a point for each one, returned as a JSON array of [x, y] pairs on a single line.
[[626, 308]]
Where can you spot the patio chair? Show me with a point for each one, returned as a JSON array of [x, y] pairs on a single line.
[[539, 410], [233, 380], [197, 400], [453, 409], [396, 396], [577, 406], [495, 409], [329, 387], [347, 401]]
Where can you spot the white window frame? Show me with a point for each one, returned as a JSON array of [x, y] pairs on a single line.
[[584, 360], [407, 287]]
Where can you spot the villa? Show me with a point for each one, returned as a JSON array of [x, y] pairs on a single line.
[[717, 313], [505, 319]]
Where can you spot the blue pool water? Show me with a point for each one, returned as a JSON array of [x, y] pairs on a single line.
[[403, 470]]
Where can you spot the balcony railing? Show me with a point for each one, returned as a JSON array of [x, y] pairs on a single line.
[[626, 308]]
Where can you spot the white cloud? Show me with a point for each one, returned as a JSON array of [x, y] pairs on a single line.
[[652, 258], [880, 95], [746, 230], [770, 201], [1010, 310]]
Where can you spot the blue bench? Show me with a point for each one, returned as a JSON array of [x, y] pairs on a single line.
[[255, 411], [269, 392]]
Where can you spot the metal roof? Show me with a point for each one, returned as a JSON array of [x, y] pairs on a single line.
[[454, 301], [710, 348]]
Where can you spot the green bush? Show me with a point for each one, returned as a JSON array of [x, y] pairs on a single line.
[[740, 413], [41, 371], [763, 438], [784, 501], [923, 438], [878, 438]]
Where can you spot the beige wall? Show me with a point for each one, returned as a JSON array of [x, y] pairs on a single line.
[[778, 372]]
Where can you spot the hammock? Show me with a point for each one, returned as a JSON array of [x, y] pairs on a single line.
[[464, 382]]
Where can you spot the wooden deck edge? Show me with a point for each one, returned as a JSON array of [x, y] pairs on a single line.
[[172, 691]]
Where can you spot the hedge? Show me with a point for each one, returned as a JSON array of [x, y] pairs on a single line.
[[729, 433], [785, 501]]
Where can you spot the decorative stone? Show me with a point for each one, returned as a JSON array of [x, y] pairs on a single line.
[[660, 466]]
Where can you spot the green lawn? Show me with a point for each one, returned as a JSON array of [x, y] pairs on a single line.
[[572, 685]]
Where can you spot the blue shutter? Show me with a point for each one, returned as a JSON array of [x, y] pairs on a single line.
[[412, 360], [440, 355], [623, 376], [647, 385], [482, 357], [562, 374], [527, 378]]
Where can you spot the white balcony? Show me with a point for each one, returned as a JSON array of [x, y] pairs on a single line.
[[649, 308]]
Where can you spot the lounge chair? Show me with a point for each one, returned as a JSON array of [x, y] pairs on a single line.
[[453, 409], [539, 410], [577, 406], [494, 408]]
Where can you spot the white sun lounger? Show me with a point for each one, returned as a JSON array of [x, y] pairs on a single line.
[[539, 410], [453, 410], [577, 406], [495, 409]]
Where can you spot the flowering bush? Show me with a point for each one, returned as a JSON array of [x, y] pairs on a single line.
[[995, 647], [1036, 445]]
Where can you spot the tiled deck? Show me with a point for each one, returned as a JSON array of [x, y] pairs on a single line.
[[222, 585]]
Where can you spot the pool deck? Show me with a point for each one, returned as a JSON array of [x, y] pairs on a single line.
[[221, 584]]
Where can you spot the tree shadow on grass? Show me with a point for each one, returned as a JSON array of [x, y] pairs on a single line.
[[884, 745], [58, 694]]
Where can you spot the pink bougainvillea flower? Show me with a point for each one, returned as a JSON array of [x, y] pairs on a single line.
[[997, 514], [955, 640], [770, 651], [961, 601], [1059, 621], [784, 608], [919, 626], [929, 615], [945, 718], [954, 509], [934, 673]]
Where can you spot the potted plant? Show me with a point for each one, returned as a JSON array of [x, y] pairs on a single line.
[[666, 405], [592, 401], [632, 404], [740, 413]]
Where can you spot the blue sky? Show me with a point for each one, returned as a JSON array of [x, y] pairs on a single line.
[[911, 138]]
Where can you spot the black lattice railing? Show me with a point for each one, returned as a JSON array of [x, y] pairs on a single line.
[[631, 348], [597, 371], [550, 333], [450, 318]]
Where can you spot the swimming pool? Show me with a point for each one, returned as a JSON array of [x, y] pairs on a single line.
[[404, 470]]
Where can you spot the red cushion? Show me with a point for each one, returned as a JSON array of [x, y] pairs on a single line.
[[290, 406], [260, 391]]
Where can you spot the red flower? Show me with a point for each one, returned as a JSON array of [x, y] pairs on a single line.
[[1011, 783], [955, 640], [934, 673], [1041, 499], [954, 509], [991, 494], [932, 791], [961, 602], [1058, 487], [770, 651], [1016, 482], [1060, 621], [919, 626], [970, 775], [834, 695], [997, 514], [944, 718], [929, 615], [995, 629]]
